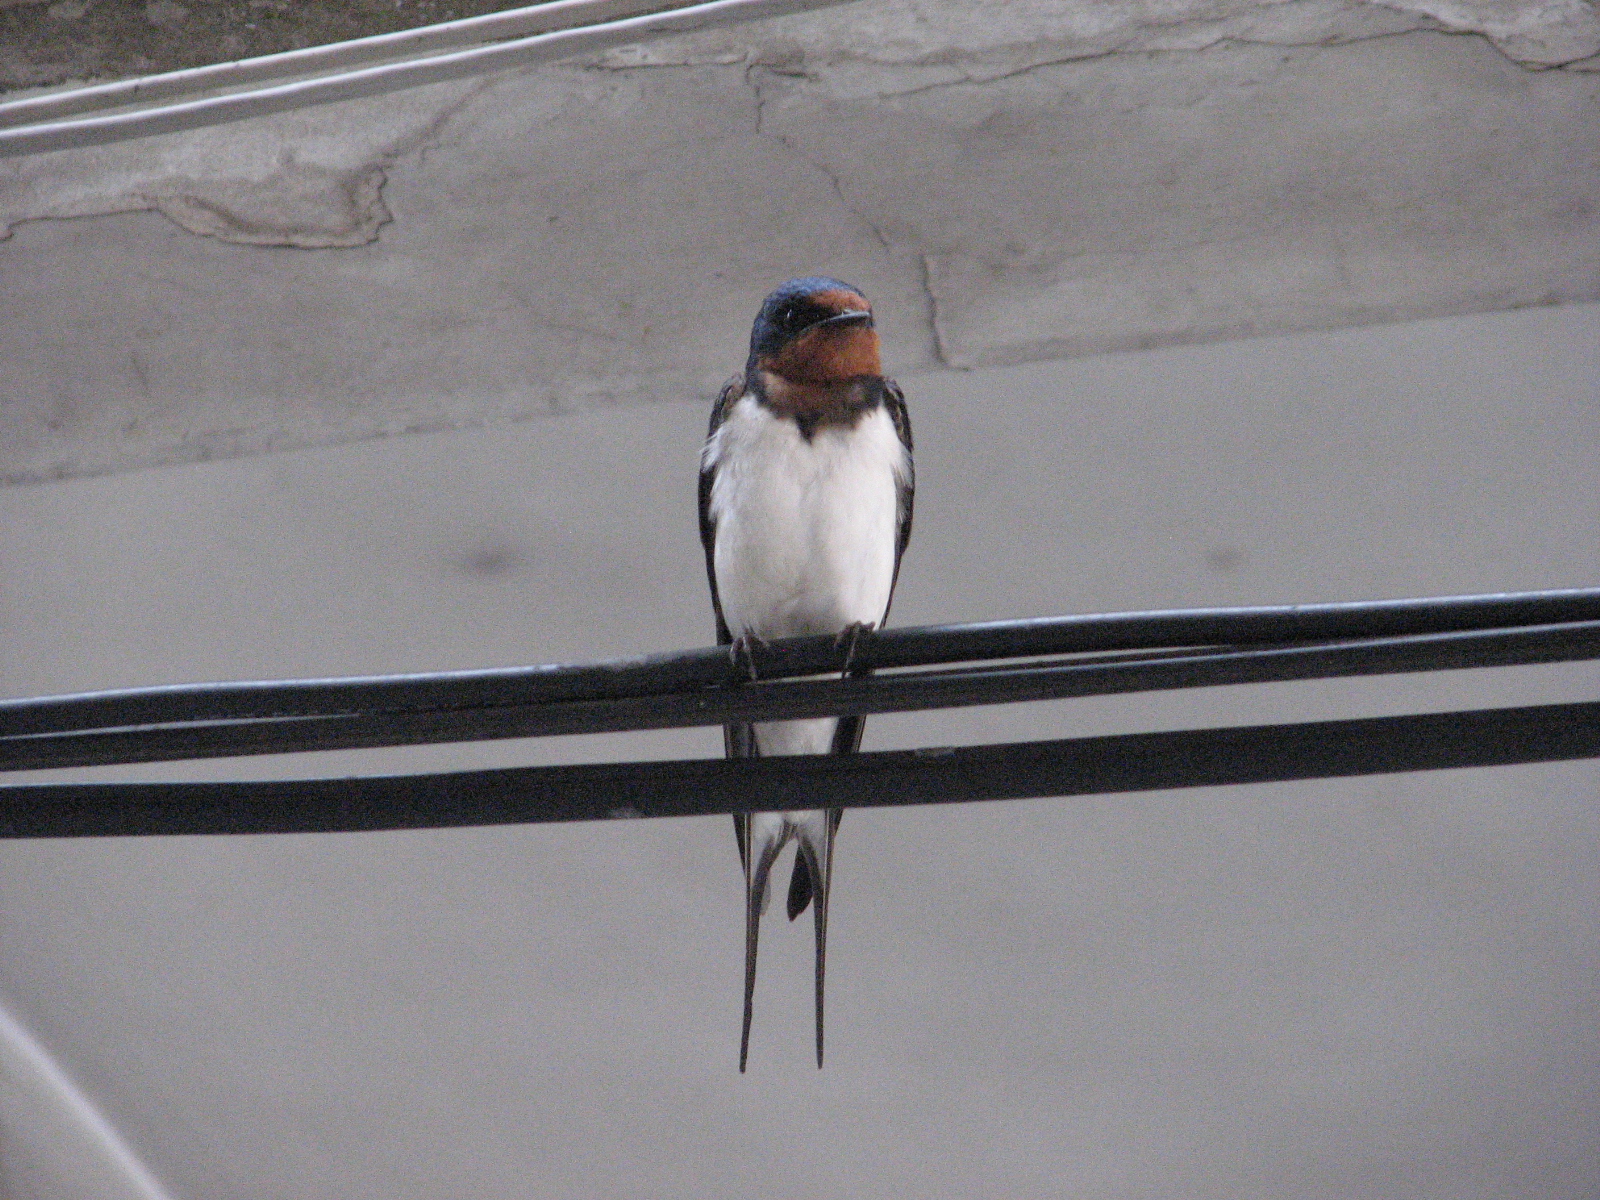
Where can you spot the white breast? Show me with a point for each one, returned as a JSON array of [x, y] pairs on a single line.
[[805, 529]]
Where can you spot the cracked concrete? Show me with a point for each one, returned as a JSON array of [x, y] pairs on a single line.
[[305, 205], [1070, 180], [934, 349], [290, 182]]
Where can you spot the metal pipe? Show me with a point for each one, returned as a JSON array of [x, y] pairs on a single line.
[[332, 56], [386, 77]]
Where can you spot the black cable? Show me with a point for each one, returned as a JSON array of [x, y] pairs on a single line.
[[899, 692], [1072, 767], [666, 674]]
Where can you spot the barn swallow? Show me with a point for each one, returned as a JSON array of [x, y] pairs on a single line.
[[805, 510]]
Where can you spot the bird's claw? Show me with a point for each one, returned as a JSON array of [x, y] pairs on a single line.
[[850, 637], [741, 652]]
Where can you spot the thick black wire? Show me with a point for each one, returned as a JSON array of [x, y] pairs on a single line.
[[667, 674], [1073, 767], [902, 692]]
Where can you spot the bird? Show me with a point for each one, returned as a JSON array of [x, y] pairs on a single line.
[[806, 487]]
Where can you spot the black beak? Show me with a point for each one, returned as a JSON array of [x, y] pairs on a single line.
[[850, 316]]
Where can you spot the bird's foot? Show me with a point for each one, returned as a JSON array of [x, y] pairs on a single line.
[[742, 652], [850, 638]]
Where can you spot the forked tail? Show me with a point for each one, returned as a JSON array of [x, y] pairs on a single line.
[[816, 853]]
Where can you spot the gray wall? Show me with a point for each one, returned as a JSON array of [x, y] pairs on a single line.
[[1348, 989]]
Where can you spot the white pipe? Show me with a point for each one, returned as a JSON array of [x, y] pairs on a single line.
[[69, 1146], [470, 31], [366, 81]]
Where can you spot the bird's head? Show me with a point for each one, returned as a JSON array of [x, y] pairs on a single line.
[[815, 331]]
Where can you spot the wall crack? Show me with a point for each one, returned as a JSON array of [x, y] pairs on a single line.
[[936, 343]]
